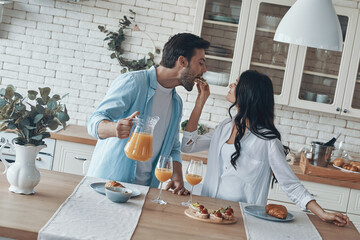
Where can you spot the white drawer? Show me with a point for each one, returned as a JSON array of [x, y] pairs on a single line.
[[356, 220], [329, 197], [354, 202]]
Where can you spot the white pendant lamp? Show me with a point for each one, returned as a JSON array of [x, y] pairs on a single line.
[[311, 23]]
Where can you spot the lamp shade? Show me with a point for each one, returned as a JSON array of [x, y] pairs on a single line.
[[311, 23]]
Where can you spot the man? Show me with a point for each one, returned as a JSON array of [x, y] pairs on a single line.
[[148, 93]]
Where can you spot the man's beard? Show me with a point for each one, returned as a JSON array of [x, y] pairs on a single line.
[[187, 79]]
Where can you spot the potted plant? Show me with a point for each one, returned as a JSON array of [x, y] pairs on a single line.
[[115, 39], [30, 122]]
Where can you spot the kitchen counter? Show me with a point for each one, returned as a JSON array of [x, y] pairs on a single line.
[[22, 216], [78, 134]]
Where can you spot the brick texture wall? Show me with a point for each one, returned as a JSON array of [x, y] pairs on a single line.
[[58, 44]]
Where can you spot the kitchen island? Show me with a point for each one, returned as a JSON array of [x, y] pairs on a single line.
[[22, 216]]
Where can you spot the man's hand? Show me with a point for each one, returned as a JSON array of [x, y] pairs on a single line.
[[123, 126], [178, 187]]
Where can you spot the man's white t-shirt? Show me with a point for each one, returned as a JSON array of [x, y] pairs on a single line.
[[162, 107]]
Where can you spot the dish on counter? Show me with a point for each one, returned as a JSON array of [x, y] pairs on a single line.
[[220, 216], [223, 18], [100, 188], [259, 212], [345, 170]]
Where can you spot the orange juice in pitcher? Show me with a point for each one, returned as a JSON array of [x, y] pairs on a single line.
[[140, 144]]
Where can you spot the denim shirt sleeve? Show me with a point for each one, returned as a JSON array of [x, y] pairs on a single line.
[[122, 93]]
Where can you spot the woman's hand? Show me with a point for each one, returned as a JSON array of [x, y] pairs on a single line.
[[338, 219], [203, 92]]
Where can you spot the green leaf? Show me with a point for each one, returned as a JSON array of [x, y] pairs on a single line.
[[44, 92], [19, 107], [11, 125], [123, 70], [32, 94], [30, 127], [46, 134], [18, 95], [38, 137], [56, 97], [40, 109], [2, 92], [52, 124], [63, 117], [67, 94], [9, 92], [2, 102], [40, 101], [52, 104], [113, 55], [38, 117]]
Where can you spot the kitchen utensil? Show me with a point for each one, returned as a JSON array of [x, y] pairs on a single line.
[[320, 154]]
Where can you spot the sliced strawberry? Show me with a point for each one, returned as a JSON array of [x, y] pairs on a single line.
[[201, 207], [218, 214], [204, 211]]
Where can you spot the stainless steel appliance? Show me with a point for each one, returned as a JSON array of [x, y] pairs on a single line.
[[43, 160]]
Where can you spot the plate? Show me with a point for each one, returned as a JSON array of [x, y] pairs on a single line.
[[100, 188], [345, 170], [223, 19], [192, 215], [259, 212]]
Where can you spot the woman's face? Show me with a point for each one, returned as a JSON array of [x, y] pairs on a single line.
[[231, 96]]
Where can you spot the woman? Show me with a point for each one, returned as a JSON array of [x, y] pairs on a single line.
[[246, 149]]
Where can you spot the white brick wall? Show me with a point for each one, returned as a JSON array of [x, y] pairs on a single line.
[[56, 43]]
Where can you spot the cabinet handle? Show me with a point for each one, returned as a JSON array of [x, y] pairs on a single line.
[[345, 111], [38, 158], [81, 159], [338, 109]]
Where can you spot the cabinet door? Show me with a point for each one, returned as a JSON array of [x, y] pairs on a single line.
[[354, 202], [355, 220], [262, 53], [351, 106], [69, 156], [320, 75], [223, 24]]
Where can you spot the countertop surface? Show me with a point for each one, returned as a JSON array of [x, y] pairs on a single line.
[[22, 216], [78, 134]]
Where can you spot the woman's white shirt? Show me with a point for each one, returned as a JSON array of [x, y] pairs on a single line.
[[250, 181]]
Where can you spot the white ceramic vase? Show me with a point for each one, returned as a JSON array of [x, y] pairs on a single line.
[[23, 175]]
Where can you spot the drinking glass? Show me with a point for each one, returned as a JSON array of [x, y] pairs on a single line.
[[163, 172], [193, 176]]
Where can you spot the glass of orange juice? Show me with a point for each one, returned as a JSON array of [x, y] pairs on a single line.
[[193, 176], [163, 172]]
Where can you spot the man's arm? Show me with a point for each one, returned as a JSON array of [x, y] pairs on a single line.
[[120, 129]]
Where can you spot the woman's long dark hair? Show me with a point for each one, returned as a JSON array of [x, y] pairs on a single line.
[[255, 102]]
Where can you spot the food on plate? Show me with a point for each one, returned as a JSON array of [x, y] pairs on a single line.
[[346, 166], [113, 184], [354, 169], [201, 79], [203, 213], [339, 162], [275, 210], [216, 216], [356, 164], [195, 207], [229, 213]]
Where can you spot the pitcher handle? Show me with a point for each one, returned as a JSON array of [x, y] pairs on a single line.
[[3, 160]]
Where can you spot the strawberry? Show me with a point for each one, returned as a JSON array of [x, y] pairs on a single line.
[[218, 214], [204, 211]]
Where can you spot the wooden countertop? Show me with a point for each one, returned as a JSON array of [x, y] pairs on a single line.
[[22, 216], [78, 134], [74, 133]]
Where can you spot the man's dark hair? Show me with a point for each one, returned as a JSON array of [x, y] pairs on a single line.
[[181, 44]]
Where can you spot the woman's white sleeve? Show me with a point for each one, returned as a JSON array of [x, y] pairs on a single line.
[[287, 180], [192, 142]]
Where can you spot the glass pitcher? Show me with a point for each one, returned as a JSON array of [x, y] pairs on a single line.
[[140, 144]]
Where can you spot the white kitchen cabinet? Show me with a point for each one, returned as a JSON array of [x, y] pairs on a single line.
[[329, 197], [302, 77], [355, 220], [354, 202], [69, 156]]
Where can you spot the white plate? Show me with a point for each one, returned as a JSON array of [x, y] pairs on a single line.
[[259, 212], [345, 170], [100, 188]]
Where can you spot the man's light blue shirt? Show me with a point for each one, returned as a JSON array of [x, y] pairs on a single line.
[[128, 93]]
